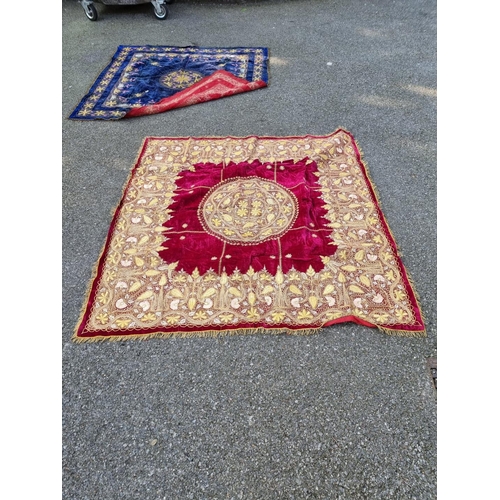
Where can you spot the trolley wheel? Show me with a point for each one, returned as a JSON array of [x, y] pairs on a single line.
[[161, 13], [90, 11]]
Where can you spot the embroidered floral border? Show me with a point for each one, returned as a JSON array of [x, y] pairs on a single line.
[[134, 293], [113, 94]]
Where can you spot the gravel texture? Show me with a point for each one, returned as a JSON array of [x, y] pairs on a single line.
[[348, 413]]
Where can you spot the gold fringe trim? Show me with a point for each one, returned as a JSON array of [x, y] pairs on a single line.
[[399, 253], [197, 334], [237, 332], [242, 137], [402, 333], [113, 213], [241, 331]]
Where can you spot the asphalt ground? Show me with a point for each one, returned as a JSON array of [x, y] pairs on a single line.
[[348, 413]]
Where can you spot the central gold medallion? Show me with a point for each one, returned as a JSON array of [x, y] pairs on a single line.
[[180, 79], [248, 210]]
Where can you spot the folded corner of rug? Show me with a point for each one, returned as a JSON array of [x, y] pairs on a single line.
[[219, 84], [142, 80]]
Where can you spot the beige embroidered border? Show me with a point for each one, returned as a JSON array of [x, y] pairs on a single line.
[[136, 291]]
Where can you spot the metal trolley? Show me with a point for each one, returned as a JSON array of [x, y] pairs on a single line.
[[159, 8]]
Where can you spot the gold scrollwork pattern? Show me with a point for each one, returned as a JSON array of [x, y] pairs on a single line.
[[248, 210], [106, 100], [137, 290]]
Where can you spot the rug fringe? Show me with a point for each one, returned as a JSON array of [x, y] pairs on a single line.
[[113, 213], [128, 180], [417, 298], [394, 241], [402, 333], [375, 190], [88, 291], [197, 334], [240, 331]]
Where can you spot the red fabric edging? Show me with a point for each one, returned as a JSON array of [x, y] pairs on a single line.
[[219, 84]]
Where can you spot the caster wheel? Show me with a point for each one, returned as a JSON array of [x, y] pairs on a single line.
[[90, 12], [161, 13]]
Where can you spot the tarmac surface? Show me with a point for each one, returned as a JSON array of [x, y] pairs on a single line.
[[348, 413]]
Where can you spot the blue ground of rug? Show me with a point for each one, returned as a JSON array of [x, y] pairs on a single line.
[[142, 75]]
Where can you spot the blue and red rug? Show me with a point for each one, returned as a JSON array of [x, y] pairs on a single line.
[[142, 80]]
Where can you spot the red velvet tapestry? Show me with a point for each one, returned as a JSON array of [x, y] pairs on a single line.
[[235, 235]]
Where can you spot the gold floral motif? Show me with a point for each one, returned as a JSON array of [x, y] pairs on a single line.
[[113, 77], [248, 210], [364, 278], [180, 79]]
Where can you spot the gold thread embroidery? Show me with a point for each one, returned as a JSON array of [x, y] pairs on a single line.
[[364, 279], [180, 79], [112, 101], [248, 210]]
